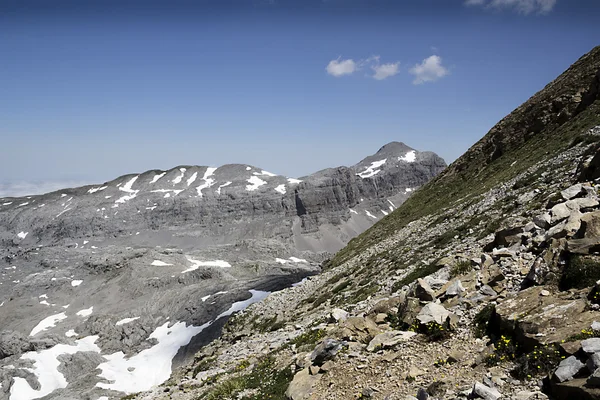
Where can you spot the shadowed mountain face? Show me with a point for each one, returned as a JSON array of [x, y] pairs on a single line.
[[164, 254]]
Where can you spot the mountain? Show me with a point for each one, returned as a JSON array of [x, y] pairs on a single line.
[[104, 287], [484, 284]]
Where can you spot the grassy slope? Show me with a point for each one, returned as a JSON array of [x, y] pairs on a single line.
[[521, 142]]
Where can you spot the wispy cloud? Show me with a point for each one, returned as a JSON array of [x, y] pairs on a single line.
[[19, 189], [341, 67], [430, 70], [384, 71], [520, 6]]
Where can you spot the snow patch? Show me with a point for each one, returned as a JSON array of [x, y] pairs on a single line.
[[264, 173], [384, 212], [127, 189], [192, 178], [280, 189], [255, 183], [222, 186], [85, 312], [370, 215], [45, 368], [372, 169], [208, 181], [47, 323], [294, 181], [157, 177], [158, 263], [180, 177], [298, 260], [98, 189], [410, 157], [197, 264], [126, 321], [22, 235], [71, 333], [76, 282]]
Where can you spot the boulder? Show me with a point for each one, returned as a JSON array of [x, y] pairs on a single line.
[[389, 339], [359, 329], [433, 313], [543, 220], [590, 225], [423, 291], [568, 369], [591, 345], [481, 391], [491, 275], [302, 385], [559, 213], [593, 362], [572, 191], [584, 246], [326, 351], [338, 315], [455, 288], [594, 379]]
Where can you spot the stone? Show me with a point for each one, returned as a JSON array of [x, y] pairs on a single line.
[[543, 220], [455, 356], [590, 225], [591, 345], [337, 315], [545, 293], [314, 370], [327, 366], [559, 213], [481, 391], [381, 319], [558, 231], [326, 351], [491, 275], [568, 369], [593, 362], [360, 329], [584, 246], [422, 394], [389, 339], [594, 379], [486, 261], [302, 385], [572, 191], [582, 203], [504, 252], [488, 291], [530, 227], [414, 372], [595, 326], [368, 392], [455, 288], [433, 313], [527, 395], [423, 291]]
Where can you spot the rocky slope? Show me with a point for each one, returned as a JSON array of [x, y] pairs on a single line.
[[103, 288], [483, 284]]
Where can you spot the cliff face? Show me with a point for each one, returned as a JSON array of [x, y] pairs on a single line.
[[223, 204]]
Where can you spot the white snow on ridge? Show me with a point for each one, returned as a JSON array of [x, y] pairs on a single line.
[[292, 259], [76, 282], [353, 212], [157, 177], [280, 189], [408, 190], [71, 333], [23, 204], [22, 235], [192, 178], [158, 263], [98, 189], [294, 181], [264, 173], [410, 157], [222, 186], [255, 183], [45, 368], [180, 177], [47, 323], [392, 205], [85, 312], [384, 212], [127, 189], [197, 264], [126, 321], [7, 204], [372, 169], [208, 181], [370, 215]]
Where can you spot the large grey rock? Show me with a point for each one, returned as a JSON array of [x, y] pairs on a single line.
[[389, 339], [302, 385], [591, 345], [594, 379], [326, 351], [455, 288], [543, 220], [572, 191], [337, 315], [559, 212], [433, 312], [423, 291], [481, 391], [568, 369]]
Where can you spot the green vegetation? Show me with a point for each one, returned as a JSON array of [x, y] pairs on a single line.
[[542, 361], [461, 268], [204, 365], [266, 381], [482, 320], [416, 273], [308, 338], [580, 272], [584, 334], [505, 349]]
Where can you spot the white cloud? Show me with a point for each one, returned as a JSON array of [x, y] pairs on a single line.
[[430, 70], [18, 189], [385, 70], [339, 67], [521, 6]]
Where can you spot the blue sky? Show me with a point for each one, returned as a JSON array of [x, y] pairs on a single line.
[[97, 89]]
